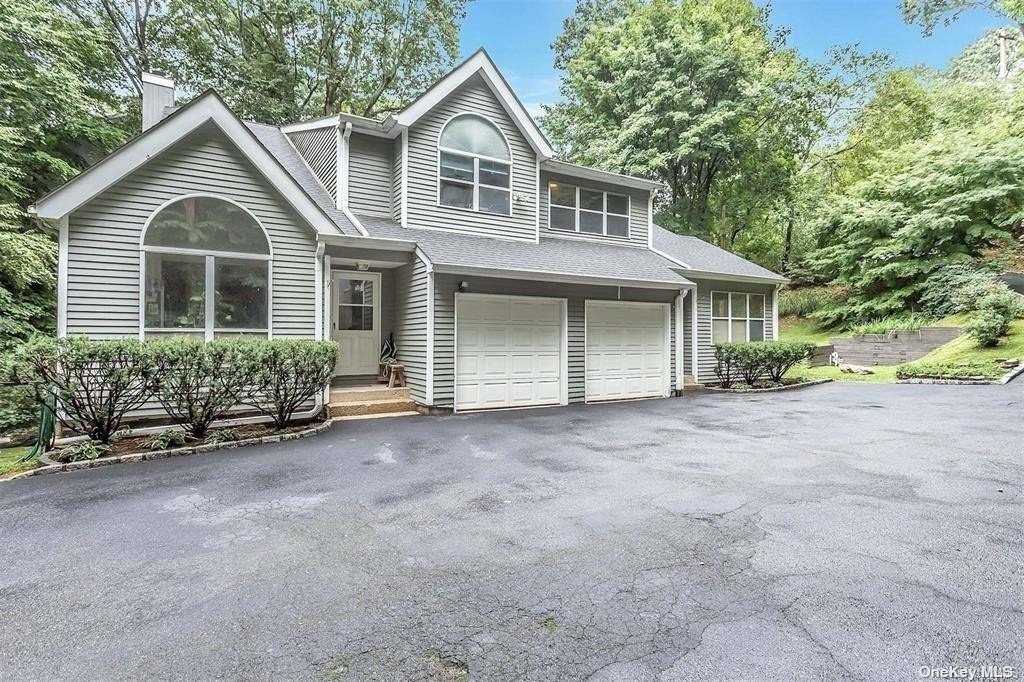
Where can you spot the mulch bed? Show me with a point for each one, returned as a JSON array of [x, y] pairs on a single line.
[[767, 386], [131, 444]]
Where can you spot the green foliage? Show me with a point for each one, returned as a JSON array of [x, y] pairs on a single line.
[[928, 14], [197, 381], [957, 288], [996, 312], [97, 383], [893, 323], [167, 439], [283, 375], [756, 360], [226, 435], [18, 407], [975, 369], [80, 451], [803, 301]]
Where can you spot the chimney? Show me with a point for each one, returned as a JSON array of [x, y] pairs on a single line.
[[157, 98]]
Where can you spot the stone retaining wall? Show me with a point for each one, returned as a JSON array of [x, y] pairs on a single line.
[[893, 348]]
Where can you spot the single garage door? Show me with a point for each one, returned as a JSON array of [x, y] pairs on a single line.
[[627, 350], [508, 351]]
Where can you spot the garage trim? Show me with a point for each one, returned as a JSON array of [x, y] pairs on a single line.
[[563, 360], [667, 339]]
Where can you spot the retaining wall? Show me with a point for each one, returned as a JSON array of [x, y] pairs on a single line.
[[893, 348]]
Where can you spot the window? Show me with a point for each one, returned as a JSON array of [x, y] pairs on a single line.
[[736, 317], [589, 211], [474, 166], [355, 305], [207, 270]]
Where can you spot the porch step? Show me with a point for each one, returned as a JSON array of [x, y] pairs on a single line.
[[690, 382], [354, 408], [351, 394]]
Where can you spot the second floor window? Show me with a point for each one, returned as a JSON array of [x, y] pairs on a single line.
[[474, 166], [590, 211]]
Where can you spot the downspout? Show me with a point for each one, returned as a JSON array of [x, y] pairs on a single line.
[[318, 313], [680, 342], [775, 312], [343, 176]]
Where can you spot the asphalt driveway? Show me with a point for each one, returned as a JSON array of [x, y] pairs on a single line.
[[840, 531]]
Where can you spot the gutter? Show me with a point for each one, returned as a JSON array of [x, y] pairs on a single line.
[[567, 278], [385, 243]]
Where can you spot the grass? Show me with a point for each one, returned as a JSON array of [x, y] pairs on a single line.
[[9, 461], [794, 328], [884, 374], [965, 349]]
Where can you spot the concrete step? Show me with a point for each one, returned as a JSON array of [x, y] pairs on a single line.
[[690, 382], [364, 393], [368, 407]]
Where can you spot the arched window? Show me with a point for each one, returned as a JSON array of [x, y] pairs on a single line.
[[475, 166], [207, 269]]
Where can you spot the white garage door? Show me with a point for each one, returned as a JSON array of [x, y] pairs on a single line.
[[627, 350], [508, 351]]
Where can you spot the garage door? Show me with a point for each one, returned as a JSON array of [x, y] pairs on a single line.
[[627, 350], [508, 351]]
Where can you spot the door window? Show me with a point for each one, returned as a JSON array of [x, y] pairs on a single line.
[[355, 305]]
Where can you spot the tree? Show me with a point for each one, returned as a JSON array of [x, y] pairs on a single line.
[[928, 14], [58, 117]]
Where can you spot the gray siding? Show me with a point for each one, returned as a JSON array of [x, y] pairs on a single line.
[[103, 238], [423, 210], [396, 180], [637, 209], [319, 148], [410, 325], [370, 168], [705, 349], [576, 295]]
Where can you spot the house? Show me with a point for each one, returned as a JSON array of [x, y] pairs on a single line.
[[505, 276]]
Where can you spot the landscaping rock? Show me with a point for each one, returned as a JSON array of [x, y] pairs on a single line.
[[855, 369], [1008, 364]]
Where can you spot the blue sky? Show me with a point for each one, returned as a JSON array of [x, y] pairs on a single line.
[[518, 35]]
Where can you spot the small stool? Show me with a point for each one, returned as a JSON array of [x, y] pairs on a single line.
[[396, 377]]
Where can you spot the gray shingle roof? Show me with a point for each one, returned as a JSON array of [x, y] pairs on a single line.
[[551, 256], [704, 257], [277, 144]]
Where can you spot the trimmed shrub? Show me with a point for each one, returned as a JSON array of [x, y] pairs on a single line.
[[757, 360], [971, 369], [287, 374], [995, 313], [96, 382], [198, 381]]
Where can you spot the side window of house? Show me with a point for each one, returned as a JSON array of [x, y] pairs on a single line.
[[737, 317], [474, 166], [588, 211], [207, 270]]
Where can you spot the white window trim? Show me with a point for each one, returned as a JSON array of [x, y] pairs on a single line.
[[475, 183], [604, 212], [730, 318], [210, 257]]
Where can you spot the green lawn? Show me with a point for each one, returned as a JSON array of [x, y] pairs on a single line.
[[964, 348], [802, 329], [9, 461], [884, 374]]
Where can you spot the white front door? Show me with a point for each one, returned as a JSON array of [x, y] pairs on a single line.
[[509, 351], [628, 352], [355, 321]]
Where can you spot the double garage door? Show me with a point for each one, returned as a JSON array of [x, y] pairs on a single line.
[[511, 351]]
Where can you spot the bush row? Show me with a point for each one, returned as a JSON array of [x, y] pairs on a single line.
[[756, 360], [98, 383], [968, 369]]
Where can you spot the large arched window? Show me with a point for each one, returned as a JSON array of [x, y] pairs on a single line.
[[207, 270], [474, 166]]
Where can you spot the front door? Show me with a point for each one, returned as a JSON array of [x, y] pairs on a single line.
[[355, 321]]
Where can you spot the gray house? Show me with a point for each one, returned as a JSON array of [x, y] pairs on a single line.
[[506, 277]]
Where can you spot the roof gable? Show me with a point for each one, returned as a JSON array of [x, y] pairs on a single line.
[[137, 152], [478, 63]]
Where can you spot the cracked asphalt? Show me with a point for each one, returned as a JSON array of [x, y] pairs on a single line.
[[835, 532]]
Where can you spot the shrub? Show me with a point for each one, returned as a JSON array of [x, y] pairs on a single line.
[[904, 322], [968, 369], [287, 372], [18, 408], [995, 313], [96, 382], [756, 360], [80, 451], [198, 381], [956, 288], [166, 439], [223, 436]]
